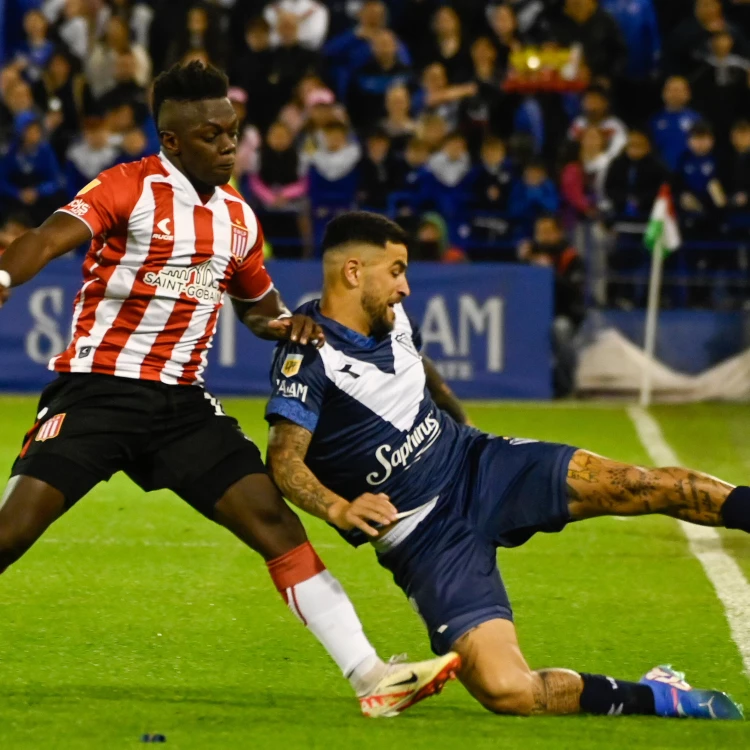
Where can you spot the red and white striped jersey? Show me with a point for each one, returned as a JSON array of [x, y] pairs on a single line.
[[155, 275]]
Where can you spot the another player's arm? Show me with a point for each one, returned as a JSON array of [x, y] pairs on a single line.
[[29, 254], [269, 318], [441, 393], [287, 448]]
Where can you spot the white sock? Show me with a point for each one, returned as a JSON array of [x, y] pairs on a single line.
[[321, 604]]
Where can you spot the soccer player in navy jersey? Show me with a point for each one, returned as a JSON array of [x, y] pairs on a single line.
[[366, 435]]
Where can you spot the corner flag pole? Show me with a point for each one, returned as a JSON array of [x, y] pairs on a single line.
[[652, 317]]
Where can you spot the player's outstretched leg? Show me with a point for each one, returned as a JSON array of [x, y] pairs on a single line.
[[27, 507], [598, 486], [254, 511], [495, 672]]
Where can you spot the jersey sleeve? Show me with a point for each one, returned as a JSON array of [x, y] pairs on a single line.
[[416, 333], [298, 383], [251, 281], [105, 204]]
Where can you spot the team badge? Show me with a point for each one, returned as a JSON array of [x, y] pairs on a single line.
[[50, 429], [90, 186], [240, 244], [292, 365]]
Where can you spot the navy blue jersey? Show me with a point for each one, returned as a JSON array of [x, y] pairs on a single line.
[[375, 426]]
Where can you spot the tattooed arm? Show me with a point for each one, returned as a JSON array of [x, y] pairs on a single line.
[[442, 394], [287, 448]]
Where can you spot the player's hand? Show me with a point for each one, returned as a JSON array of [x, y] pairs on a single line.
[[363, 511], [4, 295], [299, 328]]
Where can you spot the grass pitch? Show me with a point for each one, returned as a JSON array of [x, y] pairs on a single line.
[[135, 615]]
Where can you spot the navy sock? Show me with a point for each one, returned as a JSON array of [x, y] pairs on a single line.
[[736, 509], [605, 695]]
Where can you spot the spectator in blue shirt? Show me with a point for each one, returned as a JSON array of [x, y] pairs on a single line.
[[411, 181], [92, 154], [34, 53], [671, 127], [700, 194], [702, 201], [637, 22], [637, 90], [451, 180], [30, 176], [369, 84], [351, 49], [533, 195]]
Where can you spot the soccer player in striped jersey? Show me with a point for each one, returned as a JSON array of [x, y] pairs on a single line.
[[169, 239]]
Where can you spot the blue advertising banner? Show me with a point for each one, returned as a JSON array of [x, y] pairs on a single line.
[[486, 326]]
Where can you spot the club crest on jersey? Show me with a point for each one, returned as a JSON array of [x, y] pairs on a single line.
[[50, 429], [292, 365], [240, 241]]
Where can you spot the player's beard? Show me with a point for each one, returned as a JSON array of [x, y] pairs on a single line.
[[377, 312]]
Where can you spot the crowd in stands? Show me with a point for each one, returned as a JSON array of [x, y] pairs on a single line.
[[469, 122]]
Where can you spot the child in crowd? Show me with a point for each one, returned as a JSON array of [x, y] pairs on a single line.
[[533, 195], [377, 172]]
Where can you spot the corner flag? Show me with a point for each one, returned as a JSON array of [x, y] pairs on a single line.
[[662, 230]]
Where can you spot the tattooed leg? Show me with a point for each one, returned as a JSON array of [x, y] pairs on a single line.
[[496, 674], [600, 487]]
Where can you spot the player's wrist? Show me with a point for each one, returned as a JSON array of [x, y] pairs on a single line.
[[336, 512], [5, 279]]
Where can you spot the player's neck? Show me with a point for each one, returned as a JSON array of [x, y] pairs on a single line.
[[202, 188], [349, 315]]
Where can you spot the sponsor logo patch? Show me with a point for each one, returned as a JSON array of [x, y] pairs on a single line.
[[79, 207], [163, 233], [50, 429], [293, 390], [196, 282], [292, 365]]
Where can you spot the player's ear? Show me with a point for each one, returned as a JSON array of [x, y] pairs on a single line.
[[169, 142], [352, 272]]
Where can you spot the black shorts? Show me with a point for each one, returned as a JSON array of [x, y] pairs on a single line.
[[174, 437]]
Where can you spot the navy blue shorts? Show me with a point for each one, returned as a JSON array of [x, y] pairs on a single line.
[[506, 491]]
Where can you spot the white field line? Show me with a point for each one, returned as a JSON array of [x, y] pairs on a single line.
[[721, 568]]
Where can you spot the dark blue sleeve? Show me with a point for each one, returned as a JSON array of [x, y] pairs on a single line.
[[298, 385]]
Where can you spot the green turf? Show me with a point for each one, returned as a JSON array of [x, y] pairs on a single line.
[[135, 615]]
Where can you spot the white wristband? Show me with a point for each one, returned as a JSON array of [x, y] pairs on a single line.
[[5, 279]]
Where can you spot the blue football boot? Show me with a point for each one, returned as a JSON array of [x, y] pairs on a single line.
[[674, 698]]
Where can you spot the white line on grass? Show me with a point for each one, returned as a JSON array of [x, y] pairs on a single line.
[[721, 568]]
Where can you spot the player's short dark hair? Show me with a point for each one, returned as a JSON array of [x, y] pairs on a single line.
[[363, 227], [193, 82], [741, 124]]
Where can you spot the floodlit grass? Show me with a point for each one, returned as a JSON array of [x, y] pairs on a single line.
[[135, 615]]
